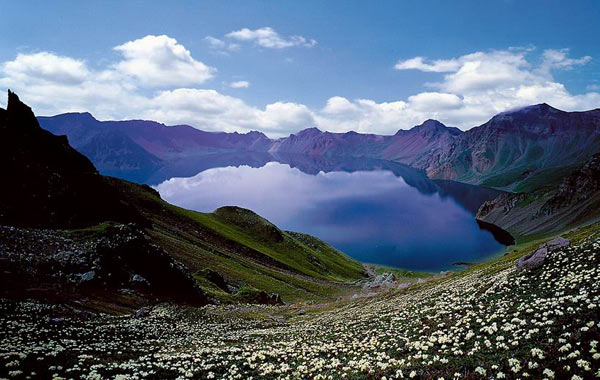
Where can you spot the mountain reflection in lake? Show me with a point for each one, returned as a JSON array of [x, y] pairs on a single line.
[[375, 211]]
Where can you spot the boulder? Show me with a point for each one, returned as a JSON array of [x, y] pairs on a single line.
[[87, 276], [216, 278], [137, 279], [142, 313], [383, 280], [533, 260], [557, 243], [536, 258]]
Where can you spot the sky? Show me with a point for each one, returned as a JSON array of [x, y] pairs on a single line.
[[279, 67]]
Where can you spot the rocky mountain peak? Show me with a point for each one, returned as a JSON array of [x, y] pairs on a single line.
[[431, 126], [53, 184], [541, 110], [314, 131], [18, 114]]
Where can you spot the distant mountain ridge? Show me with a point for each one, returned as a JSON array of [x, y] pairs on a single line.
[[512, 149]]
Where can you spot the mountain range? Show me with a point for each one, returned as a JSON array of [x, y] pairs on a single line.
[[512, 151]]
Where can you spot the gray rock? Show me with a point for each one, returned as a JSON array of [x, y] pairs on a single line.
[[533, 260], [275, 299], [403, 285], [386, 280], [557, 243], [137, 279], [142, 313], [536, 258], [301, 312], [232, 289], [88, 276]]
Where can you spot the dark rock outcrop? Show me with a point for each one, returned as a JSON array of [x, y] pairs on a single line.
[[48, 183], [104, 262]]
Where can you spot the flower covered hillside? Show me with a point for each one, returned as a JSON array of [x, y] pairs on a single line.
[[489, 322]]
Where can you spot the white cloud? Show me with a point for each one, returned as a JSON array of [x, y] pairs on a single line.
[[283, 118], [267, 37], [593, 87], [560, 59], [427, 101], [214, 42], [46, 67], [437, 66], [476, 86], [470, 89], [220, 45], [211, 110], [364, 115], [240, 84], [160, 61]]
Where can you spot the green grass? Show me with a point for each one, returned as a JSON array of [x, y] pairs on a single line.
[[402, 274], [289, 251], [543, 179], [246, 250], [505, 178]]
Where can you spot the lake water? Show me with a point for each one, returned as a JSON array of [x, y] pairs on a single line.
[[375, 211]]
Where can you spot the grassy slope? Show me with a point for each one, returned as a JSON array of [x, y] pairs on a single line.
[[245, 249], [513, 179]]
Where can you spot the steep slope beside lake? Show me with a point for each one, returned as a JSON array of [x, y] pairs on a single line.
[[574, 202], [113, 244]]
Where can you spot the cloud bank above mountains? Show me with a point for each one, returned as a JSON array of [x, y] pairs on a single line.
[[157, 78]]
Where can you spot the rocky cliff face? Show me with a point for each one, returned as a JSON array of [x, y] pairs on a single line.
[[423, 146], [577, 187], [55, 189], [574, 202]]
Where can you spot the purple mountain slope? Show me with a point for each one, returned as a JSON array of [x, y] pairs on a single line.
[[164, 142], [519, 146], [511, 149]]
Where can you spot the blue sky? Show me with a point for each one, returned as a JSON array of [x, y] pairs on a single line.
[[339, 65]]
